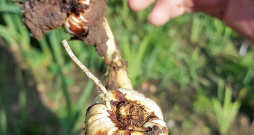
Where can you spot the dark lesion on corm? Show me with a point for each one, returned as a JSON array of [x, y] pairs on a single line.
[[155, 130], [128, 115]]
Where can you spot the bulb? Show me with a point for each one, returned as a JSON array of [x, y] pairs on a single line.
[[76, 24], [131, 113]]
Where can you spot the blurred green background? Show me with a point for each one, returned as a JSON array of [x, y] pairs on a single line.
[[191, 67]]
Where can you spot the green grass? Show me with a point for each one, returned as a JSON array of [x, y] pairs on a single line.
[[191, 52], [227, 112], [3, 118]]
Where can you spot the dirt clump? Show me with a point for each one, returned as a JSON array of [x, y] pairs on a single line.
[[96, 32], [45, 15]]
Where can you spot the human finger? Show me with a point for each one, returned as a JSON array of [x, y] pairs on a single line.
[[163, 10], [137, 5]]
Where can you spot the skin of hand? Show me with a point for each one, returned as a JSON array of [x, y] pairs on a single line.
[[238, 14]]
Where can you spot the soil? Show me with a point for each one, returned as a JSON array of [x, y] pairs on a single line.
[[43, 16], [96, 33]]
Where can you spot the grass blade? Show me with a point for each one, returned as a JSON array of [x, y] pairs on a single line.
[[3, 119]]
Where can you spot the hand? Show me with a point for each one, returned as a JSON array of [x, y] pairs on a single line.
[[238, 14], [163, 9]]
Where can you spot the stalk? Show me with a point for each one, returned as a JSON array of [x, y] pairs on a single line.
[[117, 66]]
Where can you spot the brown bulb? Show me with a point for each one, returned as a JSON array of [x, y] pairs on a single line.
[[76, 24], [131, 113]]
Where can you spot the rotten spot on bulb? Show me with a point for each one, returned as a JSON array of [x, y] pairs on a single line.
[[120, 96], [127, 115], [155, 130]]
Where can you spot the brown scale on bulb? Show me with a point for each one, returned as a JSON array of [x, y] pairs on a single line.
[[76, 24]]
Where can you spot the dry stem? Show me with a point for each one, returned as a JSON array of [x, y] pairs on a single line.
[[88, 73]]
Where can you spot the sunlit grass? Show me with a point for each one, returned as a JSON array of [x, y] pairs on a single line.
[[227, 112]]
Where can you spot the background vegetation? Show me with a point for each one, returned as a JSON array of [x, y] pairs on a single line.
[[190, 66]]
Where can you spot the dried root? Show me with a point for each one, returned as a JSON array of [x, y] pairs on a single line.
[[88, 73]]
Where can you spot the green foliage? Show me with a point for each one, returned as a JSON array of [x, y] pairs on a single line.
[[3, 116], [202, 104], [3, 119], [227, 112], [187, 125]]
